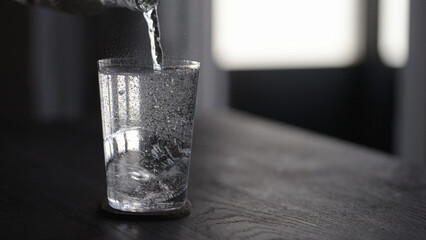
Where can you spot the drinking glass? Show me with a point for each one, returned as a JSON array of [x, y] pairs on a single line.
[[147, 122]]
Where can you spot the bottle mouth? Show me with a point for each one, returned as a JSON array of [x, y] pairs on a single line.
[[146, 5]]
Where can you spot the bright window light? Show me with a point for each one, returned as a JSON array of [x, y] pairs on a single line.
[[394, 31], [277, 34]]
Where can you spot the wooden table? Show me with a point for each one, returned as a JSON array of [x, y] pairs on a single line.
[[250, 179]]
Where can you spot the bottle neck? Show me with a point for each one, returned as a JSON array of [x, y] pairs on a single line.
[[92, 6], [80, 7]]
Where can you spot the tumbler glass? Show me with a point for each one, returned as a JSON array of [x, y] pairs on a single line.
[[147, 121]]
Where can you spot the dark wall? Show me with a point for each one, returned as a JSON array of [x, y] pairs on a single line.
[[354, 103], [14, 97]]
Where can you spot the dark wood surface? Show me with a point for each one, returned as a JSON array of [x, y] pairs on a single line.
[[250, 179]]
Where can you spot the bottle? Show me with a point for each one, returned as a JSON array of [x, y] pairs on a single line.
[[86, 7]]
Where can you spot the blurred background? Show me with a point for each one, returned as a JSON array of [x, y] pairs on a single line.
[[351, 69]]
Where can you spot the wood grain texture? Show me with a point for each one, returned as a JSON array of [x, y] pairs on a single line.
[[250, 179]]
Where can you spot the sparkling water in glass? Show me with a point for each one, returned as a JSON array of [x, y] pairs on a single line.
[[147, 120]]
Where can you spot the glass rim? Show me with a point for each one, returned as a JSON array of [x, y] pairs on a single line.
[[134, 62]]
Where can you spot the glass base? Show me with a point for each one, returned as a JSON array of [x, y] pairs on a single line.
[[167, 215], [140, 207]]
